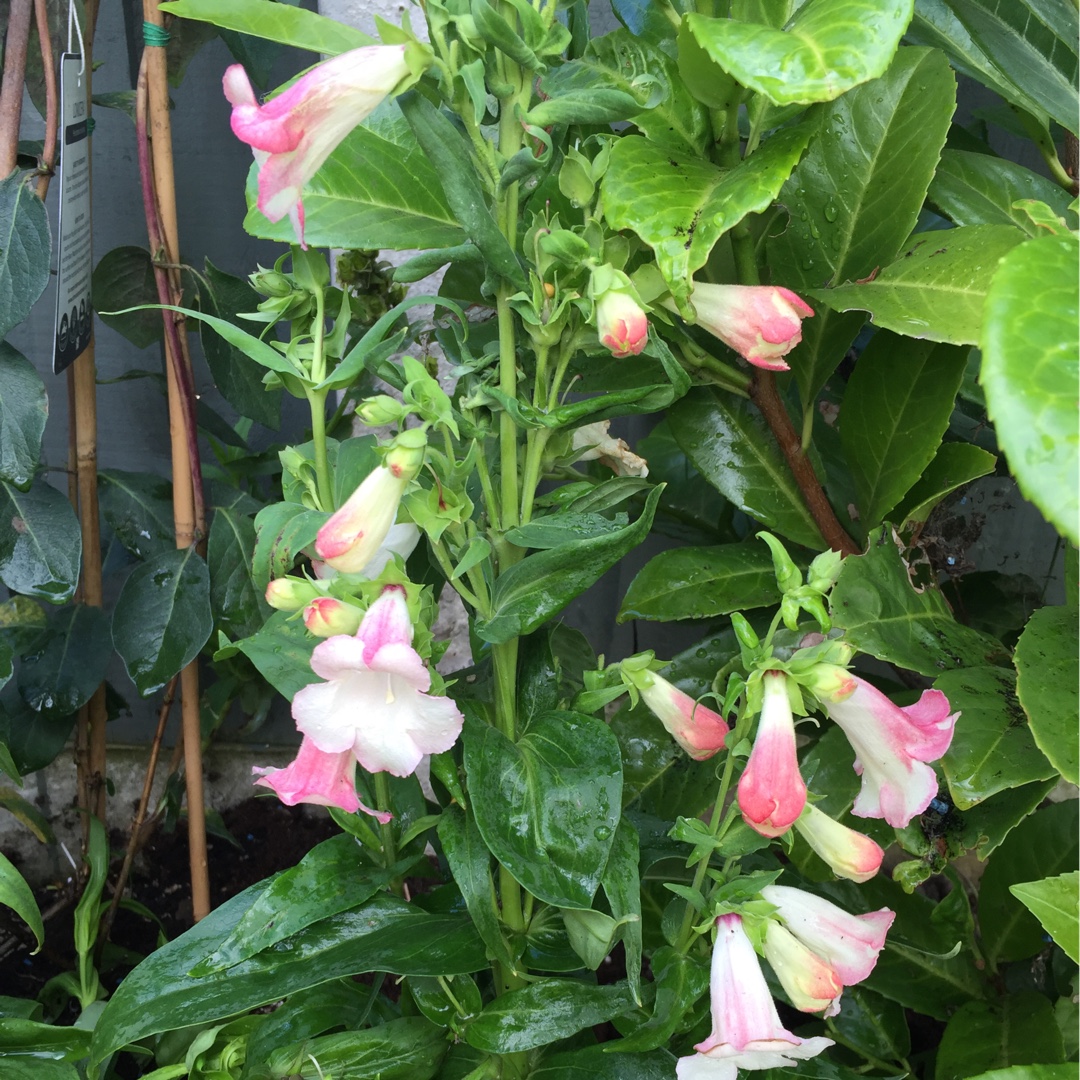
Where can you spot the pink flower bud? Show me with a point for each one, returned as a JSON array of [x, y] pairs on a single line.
[[771, 791], [352, 536], [621, 324], [697, 729], [293, 133], [325, 617], [289, 594], [810, 983], [849, 854], [762, 323]]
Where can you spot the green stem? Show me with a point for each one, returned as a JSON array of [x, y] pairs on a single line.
[[534, 460], [382, 802], [317, 404], [715, 371], [508, 446]]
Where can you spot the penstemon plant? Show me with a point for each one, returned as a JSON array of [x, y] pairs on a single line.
[[552, 865]]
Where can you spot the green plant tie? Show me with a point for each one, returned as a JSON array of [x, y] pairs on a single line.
[[154, 37]]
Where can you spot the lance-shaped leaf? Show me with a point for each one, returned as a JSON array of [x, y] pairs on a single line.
[[282, 531], [954, 465], [40, 543], [1029, 373], [17, 895], [23, 410], [853, 207], [24, 251], [67, 665], [138, 508], [1054, 902], [680, 206], [162, 617], [827, 48], [238, 603]]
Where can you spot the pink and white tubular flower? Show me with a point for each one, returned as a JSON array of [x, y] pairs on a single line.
[[849, 854], [375, 702], [850, 944], [621, 323], [325, 616], [892, 744], [811, 983], [319, 778], [771, 791], [762, 323], [698, 730], [746, 1030], [292, 134]]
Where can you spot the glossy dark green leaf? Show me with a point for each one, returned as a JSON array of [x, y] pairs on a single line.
[[873, 1025], [728, 443], [1043, 845], [544, 1012], [433, 1001], [237, 603], [1019, 1030], [560, 528], [896, 408], [1033, 45], [992, 747], [282, 531], [701, 582], [124, 278], [385, 935], [282, 23], [67, 664], [938, 287], [681, 205], [36, 1068], [679, 982], [33, 739], [978, 189], [296, 898], [24, 251], [954, 465], [852, 211], [622, 887], [23, 409], [1054, 902], [874, 601], [827, 48], [987, 825], [376, 190], [281, 650], [408, 1048], [592, 1063], [443, 145], [40, 544], [235, 375], [1030, 1072], [138, 508], [162, 617], [1029, 373], [1047, 679], [548, 806], [540, 586], [656, 101], [17, 895]]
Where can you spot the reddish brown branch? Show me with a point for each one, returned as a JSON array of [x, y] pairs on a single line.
[[764, 395], [11, 88], [48, 65]]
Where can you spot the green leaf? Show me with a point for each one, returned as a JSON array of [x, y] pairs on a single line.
[[622, 887], [281, 651], [680, 206], [282, 531], [1056, 904], [874, 601], [728, 443], [679, 982], [123, 278], [1029, 373], [162, 617], [17, 895], [282, 23], [987, 825], [548, 805], [442, 143], [36, 1042], [548, 1010], [386, 935], [1044, 845], [33, 739], [24, 251], [23, 409], [1046, 665], [239, 380], [954, 465], [1030, 1072], [68, 664], [138, 508], [540, 586], [701, 582], [873, 1025], [828, 47], [1032, 44], [40, 543], [852, 210], [593, 1063], [896, 408], [237, 603], [977, 189], [660, 106], [992, 748], [1021, 1030], [937, 289], [376, 190], [299, 897]]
